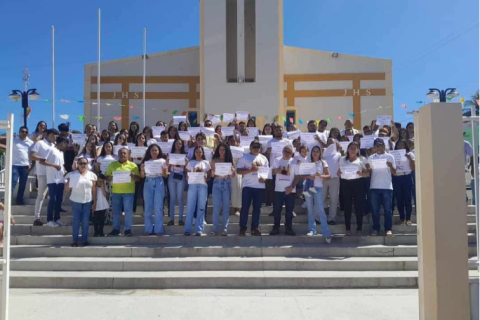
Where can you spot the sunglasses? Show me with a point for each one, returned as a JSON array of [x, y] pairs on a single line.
[[256, 147], [82, 163], [23, 131], [287, 152]]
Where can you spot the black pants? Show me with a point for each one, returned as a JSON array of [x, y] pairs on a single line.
[[353, 191], [99, 221]]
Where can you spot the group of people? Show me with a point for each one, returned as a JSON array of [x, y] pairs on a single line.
[[108, 174]]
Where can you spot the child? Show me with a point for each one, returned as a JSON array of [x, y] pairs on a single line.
[[12, 221], [100, 208], [302, 157]]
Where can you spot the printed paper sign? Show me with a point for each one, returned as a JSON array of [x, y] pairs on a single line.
[[157, 130], [385, 120], [122, 177], [307, 169], [308, 137], [216, 119], [176, 159], [137, 152], [277, 147], [367, 142], [330, 150], [194, 131], [227, 131], [117, 148], [245, 141], [80, 139], [208, 153], [104, 164], [228, 117], [184, 135], [196, 177], [165, 146], [237, 152], [223, 169], [349, 172], [378, 163], [293, 134], [242, 115], [263, 172], [344, 145], [178, 119], [253, 131]]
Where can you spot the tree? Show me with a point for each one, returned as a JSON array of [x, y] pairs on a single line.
[[467, 105]]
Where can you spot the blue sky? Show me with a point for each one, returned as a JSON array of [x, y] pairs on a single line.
[[432, 43]]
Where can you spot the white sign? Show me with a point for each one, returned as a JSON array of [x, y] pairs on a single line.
[[308, 137], [223, 169], [350, 138], [153, 167], [209, 132], [122, 177], [237, 152], [330, 150], [178, 119], [131, 145], [80, 139], [176, 159], [184, 135], [137, 152], [293, 134], [265, 139], [74, 179], [253, 131], [367, 142], [344, 145], [117, 148], [196, 177], [385, 120], [216, 119], [228, 131], [157, 130], [378, 163], [399, 155], [194, 131], [242, 115], [349, 172], [228, 117], [104, 164], [208, 153], [245, 141], [386, 142], [165, 146], [263, 172], [307, 169], [277, 147]]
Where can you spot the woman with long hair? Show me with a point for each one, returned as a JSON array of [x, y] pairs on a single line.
[[173, 132], [126, 133], [403, 182], [183, 126], [148, 132], [334, 134], [321, 173], [120, 140], [133, 130], [351, 171], [222, 187], [39, 130], [106, 157], [176, 183], [236, 198], [139, 185], [104, 137], [88, 152], [411, 130], [112, 129], [197, 191]]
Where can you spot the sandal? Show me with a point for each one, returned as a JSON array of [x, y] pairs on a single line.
[[408, 223]]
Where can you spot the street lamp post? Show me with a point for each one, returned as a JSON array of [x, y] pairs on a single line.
[[24, 95], [442, 94]]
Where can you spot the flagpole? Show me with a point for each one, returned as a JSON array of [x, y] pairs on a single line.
[[98, 75], [53, 77], [144, 70]]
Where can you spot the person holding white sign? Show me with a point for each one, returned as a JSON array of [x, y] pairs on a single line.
[[222, 171], [322, 173], [197, 190], [88, 152], [153, 169], [351, 170], [253, 187], [148, 132], [103, 161], [331, 187], [403, 182], [123, 193], [83, 184], [176, 181], [381, 166], [285, 171], [348, 126]]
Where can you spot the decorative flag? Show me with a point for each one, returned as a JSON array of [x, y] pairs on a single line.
[[81, 118], [132, 107], [184, 113], [388, 107], [80, 101], [462, 100], [63, 100], [478, 102], [284, 119], [46, 100], [351, 115], [329, 119], [64, 116], [164, 110], [291, 120], [94, 103], [29, 109], [339, 117], [100, 117], [420, 101], [300, 121], [404, 106], [108, 104], [136, 118], [175, 112], [117, 118], [194, 120], [449, 98], [221, 117], [379, 107]]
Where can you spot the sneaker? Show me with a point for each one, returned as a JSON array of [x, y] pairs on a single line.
[[159, 234], [63, 210], [186, 234], [181, 223], [289, 231], [52, 224], [294, 214], [101, 234], [37, 223], [128, 233], [237, 213], [256, 232], [74, 244], [331, 222], [312, 190], [310, 234], [213, 233], [199, 234], [304, 205], [171, 223], [408, 223], [224, 233], [328, 240], [374, 233], [389, 233], [349, 233], [275, 231], [85, 244], [114, 233], [242, 232], [306, 194], [61, 223]]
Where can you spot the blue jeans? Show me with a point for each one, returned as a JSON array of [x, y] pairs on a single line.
[[402, 189], [56, 196], [196, 199], [153, 194], [278, 200], [124, 200], [222, 192], [81, 216], [382, 196], [19, 172], [308, 184], [176, 195], [250, 195], [312, 225], [414, 189]]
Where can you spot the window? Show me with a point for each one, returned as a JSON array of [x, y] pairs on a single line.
[[250, 40], [290, 118], [231, 31], [192, 118]]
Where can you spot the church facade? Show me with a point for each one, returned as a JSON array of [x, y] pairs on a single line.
[[241, 64]]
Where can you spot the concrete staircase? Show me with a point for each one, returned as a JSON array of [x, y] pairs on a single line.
[[43, 258]]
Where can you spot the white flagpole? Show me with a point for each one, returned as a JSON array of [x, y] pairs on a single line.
[[98, 75], [53, 77], [144, 70]]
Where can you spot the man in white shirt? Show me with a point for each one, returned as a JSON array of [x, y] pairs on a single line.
[[55, 172], [253, 187], [348, 125], [38, 152], [21, 163]]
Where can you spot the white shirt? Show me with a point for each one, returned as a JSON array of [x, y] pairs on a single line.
[[284, 181], [382, 178], [359, 165], [204, 165], [342, 132], [190, 154], [332, 162], [251, 180], [318, 182], [322, 136], [21, 150], [82, 193], [163, 164], [404, 165], [274, 140], [55, 156], [41, 148], [102, 203]]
